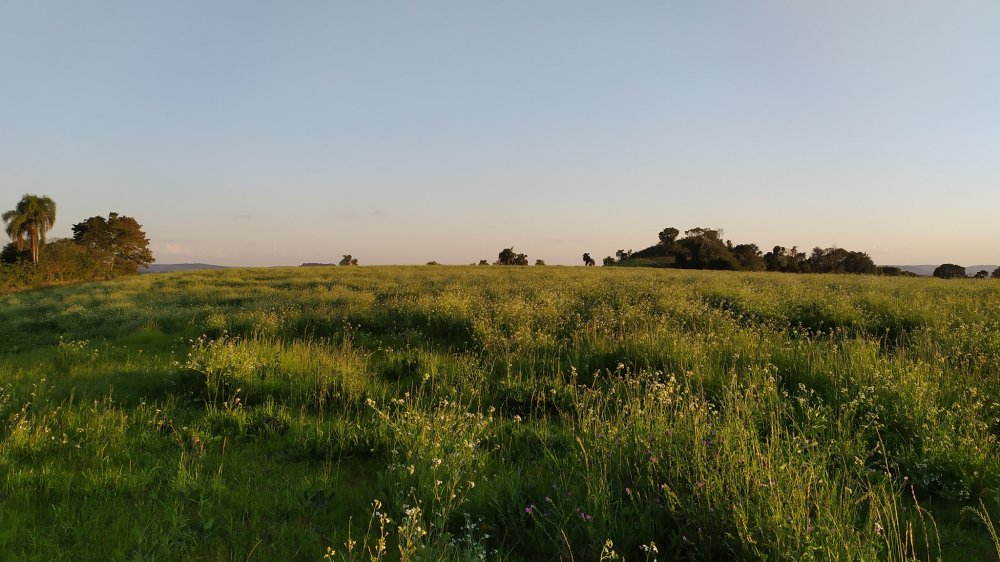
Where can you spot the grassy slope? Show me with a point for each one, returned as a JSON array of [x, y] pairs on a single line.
[[252, 414]]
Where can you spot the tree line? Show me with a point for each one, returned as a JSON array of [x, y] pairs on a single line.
[[101, 247], [705, 248]]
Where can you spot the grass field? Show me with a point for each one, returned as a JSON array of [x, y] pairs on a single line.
[[465, 413]]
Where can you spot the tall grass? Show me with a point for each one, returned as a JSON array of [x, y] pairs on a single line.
[[500, 413]]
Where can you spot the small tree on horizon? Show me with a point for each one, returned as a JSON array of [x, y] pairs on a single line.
[[996, 273], [507, 256], [982, 274], [539, 262], [348, 259], [950, 271]]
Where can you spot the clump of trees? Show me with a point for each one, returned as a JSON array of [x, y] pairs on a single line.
[[706, 248], [101, 248], [348, 259], [508, 256]]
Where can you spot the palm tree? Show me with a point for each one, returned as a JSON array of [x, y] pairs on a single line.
[[29, 221]]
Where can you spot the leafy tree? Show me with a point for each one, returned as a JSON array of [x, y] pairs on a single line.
[[118, 242], [996, 273], [432, 262], [484, 262], [982, 274], [348, 259], [749, 257], [668, 236], [609, 261], [539, 262], [950, 271], [587, 260], [28, 222], [508, 257]]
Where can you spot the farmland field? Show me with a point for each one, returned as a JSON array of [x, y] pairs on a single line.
[[467, 413]]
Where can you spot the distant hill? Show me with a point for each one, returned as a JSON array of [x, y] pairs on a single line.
[[171, 267], [929, 269]]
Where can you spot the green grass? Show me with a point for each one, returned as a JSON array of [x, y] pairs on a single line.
[[505, 413]]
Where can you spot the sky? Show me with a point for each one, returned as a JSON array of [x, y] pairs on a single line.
[[275, 133]]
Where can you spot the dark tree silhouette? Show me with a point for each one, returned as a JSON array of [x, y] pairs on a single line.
[[587, 260], [950, 271], [484, 262], [996, 273], [609, 261], [539, 262], [982, 274], [507, 256], [348, 259], [668, 236]]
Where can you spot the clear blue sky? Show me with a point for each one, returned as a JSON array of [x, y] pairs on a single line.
[[266, 133]]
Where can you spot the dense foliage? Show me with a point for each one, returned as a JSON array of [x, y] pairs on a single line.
[[500, 413], [101, 248], [704, 248], [508, 256]]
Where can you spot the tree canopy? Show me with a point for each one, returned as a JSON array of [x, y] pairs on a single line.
[[28, 222], [950, 271], [118, 241], [508, 256]]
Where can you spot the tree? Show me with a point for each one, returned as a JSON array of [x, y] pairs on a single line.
[[118, 243], [587, 260], [507, 256], [982, 274], [539, 262], [950, 271], [668, 236], [996, 273], [609, 261], [348, 259], [624, 255], [484, 262], [749, 257], [29, 221]]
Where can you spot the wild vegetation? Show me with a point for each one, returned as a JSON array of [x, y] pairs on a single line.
[[704, 248], [458, 413], [101, 248]]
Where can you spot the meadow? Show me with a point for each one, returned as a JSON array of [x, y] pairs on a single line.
[[500, 413]]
